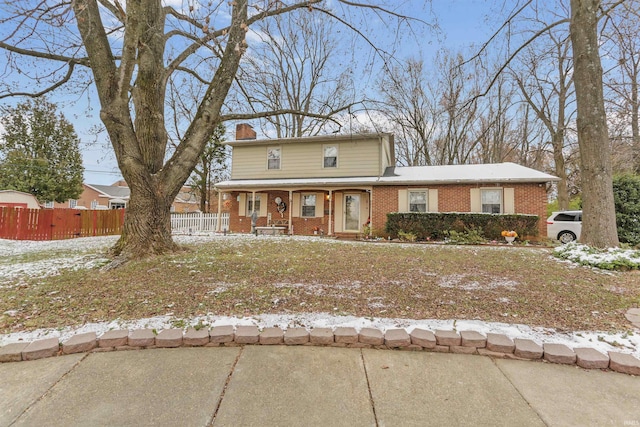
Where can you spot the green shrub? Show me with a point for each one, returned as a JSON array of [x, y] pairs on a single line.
[[433, 225], [406, 237], [626, 194], [470, 236]]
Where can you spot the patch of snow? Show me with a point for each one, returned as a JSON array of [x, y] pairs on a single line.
[[48, 267], [457, 281], [584, 254]]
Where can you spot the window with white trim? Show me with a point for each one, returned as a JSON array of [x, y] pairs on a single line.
[[273, 157], [418, 201], [491, 200], [48, 205], [94, 204], [250, 204], [330, 156], [73, 203], [308, 205]]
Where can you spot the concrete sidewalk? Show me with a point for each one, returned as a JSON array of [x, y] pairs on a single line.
[[309, 386]]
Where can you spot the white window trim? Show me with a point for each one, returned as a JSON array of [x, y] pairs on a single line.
[[500, 189], [73, 203], [302, 205], [417, 190], [324, 147], [271, 147]]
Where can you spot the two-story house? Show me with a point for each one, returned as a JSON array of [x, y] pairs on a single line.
[[335, 184]]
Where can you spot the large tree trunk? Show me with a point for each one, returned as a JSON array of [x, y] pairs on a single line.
[[599, 218], [138, 135], [147, 226]]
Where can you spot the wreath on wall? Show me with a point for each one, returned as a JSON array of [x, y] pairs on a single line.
[[281, 206]]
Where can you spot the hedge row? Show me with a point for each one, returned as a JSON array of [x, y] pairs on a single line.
[[433, 225]]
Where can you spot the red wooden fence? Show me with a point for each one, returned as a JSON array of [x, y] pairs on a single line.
[[56, 224]]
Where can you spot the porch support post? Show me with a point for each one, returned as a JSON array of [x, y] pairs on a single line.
[[330, 233], [370, 210], [219, 220], [254, 214], [290, 213]]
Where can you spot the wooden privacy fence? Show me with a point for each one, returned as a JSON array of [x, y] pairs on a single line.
[[56, 224], [198, 222]]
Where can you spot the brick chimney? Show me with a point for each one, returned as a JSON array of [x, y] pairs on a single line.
[[244, 131]]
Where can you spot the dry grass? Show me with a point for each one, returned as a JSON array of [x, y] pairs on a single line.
[[240, 277]]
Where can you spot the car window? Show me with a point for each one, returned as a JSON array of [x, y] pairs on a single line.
[[565, 217]]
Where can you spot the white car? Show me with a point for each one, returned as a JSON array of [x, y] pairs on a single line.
[[565, 226]]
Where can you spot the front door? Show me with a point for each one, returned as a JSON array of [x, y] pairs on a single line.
[[352, 212]]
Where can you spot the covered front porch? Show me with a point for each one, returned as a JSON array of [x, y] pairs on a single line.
[[308, 210]]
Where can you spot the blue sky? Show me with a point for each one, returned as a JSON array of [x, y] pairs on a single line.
[[462, 22]]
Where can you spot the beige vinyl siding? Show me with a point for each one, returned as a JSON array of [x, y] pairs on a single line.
[[305, 160]]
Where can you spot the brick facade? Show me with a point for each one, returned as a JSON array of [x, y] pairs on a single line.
[[530, 198]]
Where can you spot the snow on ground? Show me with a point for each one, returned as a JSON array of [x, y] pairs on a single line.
[[628, 342]]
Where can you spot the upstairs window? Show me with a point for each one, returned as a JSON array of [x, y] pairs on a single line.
[[308, 205], [491, 201], [330, 156], [417, 201], [273, 157]]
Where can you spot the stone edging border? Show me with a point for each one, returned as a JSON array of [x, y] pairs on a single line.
[[443, 341]]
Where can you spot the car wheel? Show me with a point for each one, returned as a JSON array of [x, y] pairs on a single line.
[[566, 237]]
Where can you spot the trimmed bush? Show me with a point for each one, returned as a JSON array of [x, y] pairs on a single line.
[[433, 225]]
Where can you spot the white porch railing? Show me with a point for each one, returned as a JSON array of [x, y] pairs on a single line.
[[198, 222]]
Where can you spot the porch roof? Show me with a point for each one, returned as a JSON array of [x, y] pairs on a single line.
[[410, 175]]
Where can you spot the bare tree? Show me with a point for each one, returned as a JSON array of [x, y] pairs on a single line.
[[130, 54], [622, 82], [544, 75], [457, 85], [294, 67], [409, 103]]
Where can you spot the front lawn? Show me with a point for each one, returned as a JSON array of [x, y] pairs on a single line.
[[247, 276]]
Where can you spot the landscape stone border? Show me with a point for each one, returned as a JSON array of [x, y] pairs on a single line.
[[444, 341]]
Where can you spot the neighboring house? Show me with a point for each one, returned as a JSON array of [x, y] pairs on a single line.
[[335, 184], [12, 199], [116, 196]]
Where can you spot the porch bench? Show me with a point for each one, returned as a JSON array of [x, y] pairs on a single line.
[[271, 230]]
